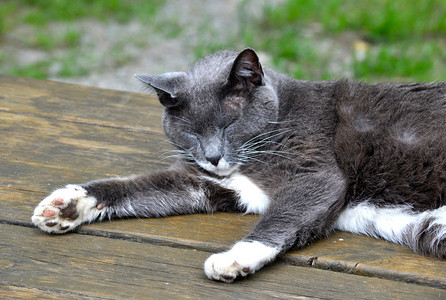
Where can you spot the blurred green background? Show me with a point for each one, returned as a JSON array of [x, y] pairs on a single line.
[[374, 40]]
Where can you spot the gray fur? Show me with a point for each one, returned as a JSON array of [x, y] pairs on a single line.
[[314, 148]]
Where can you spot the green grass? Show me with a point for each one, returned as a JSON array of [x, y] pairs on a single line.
[[41, 12], [378, 20], [47, 27], [402, 40], [405, 39], [403, 60]]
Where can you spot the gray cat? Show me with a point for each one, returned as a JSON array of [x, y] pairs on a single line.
[[311, 157]]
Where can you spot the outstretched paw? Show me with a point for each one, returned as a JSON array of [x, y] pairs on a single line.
[[65, 209], [243, 259]]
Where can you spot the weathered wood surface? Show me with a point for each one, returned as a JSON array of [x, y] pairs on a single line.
[[52, 134], [83, 266]]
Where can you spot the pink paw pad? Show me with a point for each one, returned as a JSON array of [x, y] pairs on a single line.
[[49, 213], [58, 201]]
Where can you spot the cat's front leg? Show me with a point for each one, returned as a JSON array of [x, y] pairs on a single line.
[[242, 259], [300, 212], [165, 193]]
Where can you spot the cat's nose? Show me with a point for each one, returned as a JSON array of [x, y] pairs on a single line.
[[213, 159]]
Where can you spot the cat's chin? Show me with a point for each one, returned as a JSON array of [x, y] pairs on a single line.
[[223, 169], [225, 172]]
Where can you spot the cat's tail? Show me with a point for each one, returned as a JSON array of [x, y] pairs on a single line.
[[424, 232], [427, 235]]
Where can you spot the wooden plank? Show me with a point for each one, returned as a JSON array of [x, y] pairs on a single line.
[[19, 292], [75, 103], [87, 266], [361, 255], [48, 142]]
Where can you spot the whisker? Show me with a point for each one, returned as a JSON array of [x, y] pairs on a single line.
[[166, 141], [272, 153], [280, 122], [188, 122], [171, 156], [263, 134], [248, 158], [264, 140]]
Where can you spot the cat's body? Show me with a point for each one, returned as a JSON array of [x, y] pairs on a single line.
[[309, 156]]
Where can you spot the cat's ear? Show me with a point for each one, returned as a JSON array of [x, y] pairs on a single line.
[[166, 86], [246, 70]]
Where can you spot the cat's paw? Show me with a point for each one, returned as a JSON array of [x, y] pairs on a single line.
[[65, 209], [243, 259]]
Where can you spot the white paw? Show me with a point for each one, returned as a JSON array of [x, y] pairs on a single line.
[[244, 258], [65, 209]]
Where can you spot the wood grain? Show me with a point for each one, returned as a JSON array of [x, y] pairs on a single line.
[[88, 266], [54, 133], [355, 254], [75, 103]]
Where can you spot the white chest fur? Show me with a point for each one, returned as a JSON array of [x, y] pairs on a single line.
[[252, 197]]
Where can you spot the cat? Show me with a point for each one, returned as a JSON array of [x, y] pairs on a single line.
[[310, 157]]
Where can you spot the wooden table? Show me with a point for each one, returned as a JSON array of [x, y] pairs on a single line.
[[54, 133]]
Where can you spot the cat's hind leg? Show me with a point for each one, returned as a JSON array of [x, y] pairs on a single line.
[[65, 209]]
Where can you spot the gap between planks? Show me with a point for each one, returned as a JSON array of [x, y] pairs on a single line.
[[98, 267]]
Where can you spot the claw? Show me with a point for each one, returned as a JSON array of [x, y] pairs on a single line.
[[228, 277]]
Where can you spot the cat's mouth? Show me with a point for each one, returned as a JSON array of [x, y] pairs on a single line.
[[223, 168]]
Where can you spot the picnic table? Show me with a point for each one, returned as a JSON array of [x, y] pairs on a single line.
[[52, 134]]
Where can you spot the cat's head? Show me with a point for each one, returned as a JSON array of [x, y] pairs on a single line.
[[215, 109]]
